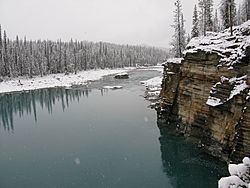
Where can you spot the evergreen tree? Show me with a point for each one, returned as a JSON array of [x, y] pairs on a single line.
[[188, 38], [244, 11], [209, 14], [29, 58], [239, 18], [178, 42], [228, 13], [17, 58], [216, 27], [183, 33], [5, 55], [1, 51], [206, 9], [60, 57], [1, 42], [247, 2], [195, 29]]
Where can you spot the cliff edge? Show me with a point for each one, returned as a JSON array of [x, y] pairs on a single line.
[[207, 93]]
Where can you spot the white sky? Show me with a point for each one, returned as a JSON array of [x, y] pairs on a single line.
[[119, 21]]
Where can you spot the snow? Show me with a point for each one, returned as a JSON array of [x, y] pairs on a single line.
[[77, 161], [213, 101], [153, 88], [112, 87], [173, 61], [231, 49], [153, 93], [239, 85], [239, 175], [248, 96], [170, 73], [246, 161], [56, 80], [153, 82], [237, 169], [231, 182]]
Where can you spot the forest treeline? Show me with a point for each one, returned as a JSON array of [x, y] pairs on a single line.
[[207, 18], [21, 57]]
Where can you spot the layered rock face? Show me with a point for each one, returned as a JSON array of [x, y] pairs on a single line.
[[207, 93]]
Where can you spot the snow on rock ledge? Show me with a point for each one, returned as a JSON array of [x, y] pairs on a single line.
[[153, 89], [240, 175], [173, 61], [234, 86], [231, 49]]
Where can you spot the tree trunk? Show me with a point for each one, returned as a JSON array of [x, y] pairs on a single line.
[[230, 17], [248, 9]]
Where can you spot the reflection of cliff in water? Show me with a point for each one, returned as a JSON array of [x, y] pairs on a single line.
[[185, 165], [27, 102]]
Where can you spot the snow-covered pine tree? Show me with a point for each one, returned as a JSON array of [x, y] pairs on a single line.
[[239, 18], [209, 14], [205, 15], [188, 38], [65, 61], [183, 33], [244, 10], [59, 67], [16, 56], [248, 9], [179, 40], [201, 18], [31, 60], [195, 28], [5, 55], [21, 57], [216, 27], [1, 49], [228, 13]]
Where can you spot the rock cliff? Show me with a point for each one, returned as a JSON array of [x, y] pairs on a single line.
[[207, 93]]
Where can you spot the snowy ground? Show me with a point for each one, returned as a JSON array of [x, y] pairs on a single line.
[[56, 80], [240, 175]]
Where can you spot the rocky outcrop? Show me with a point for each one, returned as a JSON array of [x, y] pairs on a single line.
[[207, 93], [122, 76]]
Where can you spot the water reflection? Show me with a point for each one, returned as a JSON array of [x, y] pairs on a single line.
[[185, 165], [27, 103]]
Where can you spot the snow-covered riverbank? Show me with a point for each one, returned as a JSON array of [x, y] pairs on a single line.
[[56, 80], [153, 89]]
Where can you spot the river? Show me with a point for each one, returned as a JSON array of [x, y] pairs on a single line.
[[90, 137]]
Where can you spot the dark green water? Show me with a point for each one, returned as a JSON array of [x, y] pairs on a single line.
[[95, 138]]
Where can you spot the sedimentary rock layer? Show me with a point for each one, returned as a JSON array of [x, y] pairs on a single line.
[[207, 93]]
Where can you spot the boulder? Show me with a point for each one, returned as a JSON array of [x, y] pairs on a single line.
[[122, 76]]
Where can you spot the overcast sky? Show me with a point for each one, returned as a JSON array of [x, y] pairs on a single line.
[[119, 21]]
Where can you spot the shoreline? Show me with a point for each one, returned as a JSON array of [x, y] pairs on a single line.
[[21, 84]]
